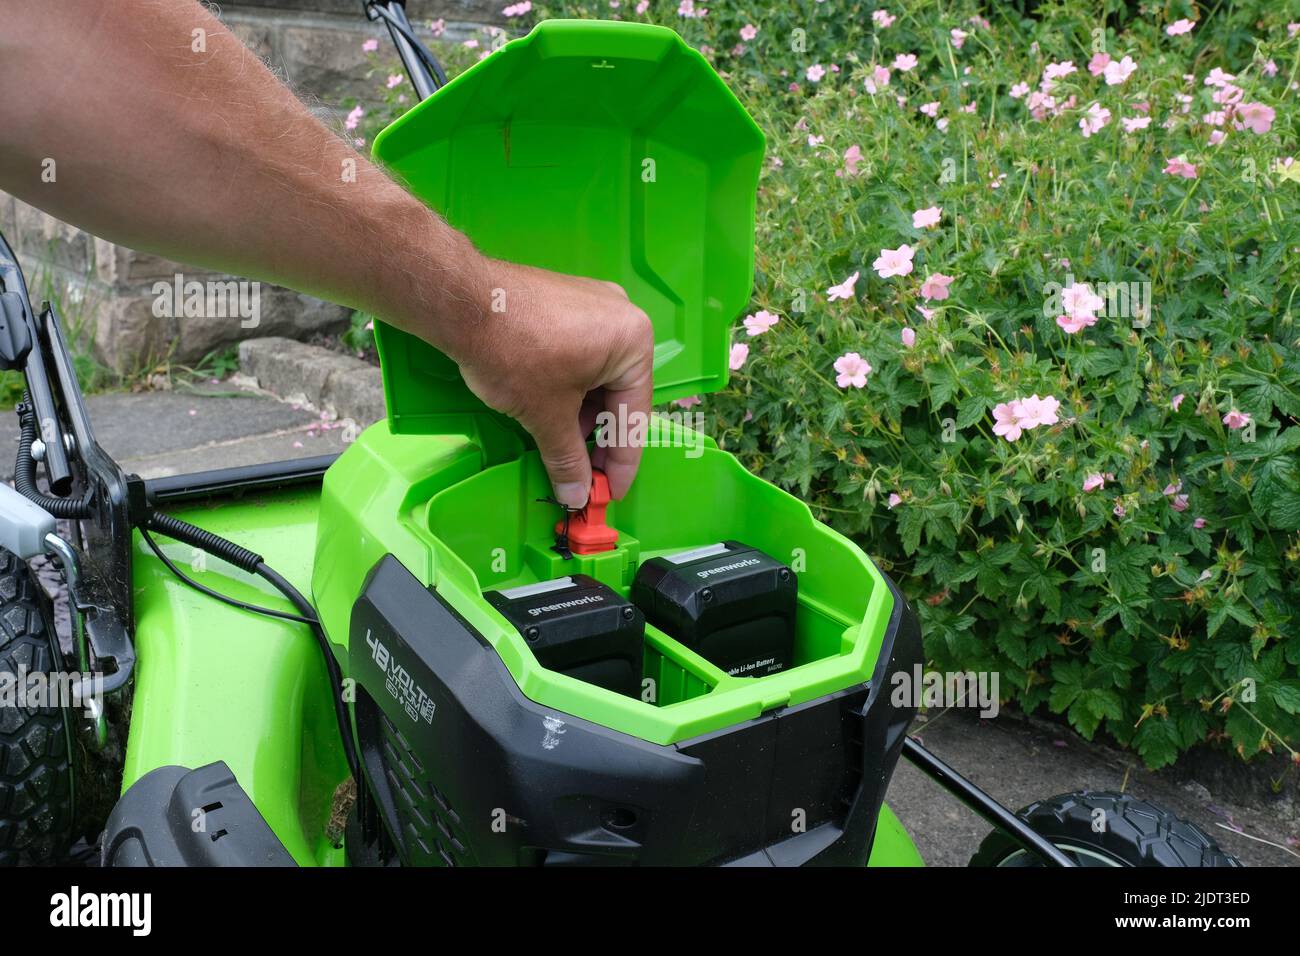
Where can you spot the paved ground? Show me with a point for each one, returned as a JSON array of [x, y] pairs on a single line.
[[156, 434], [163, 433], [1019, 761]]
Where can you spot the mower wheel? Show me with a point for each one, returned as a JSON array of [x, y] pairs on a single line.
[[1107, 829], [35, 769]]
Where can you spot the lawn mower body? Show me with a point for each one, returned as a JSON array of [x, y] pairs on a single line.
[[600, 149], [216, 684]]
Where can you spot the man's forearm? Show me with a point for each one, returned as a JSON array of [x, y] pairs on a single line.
[[146, 133]]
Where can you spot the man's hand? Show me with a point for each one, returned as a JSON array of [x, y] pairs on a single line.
[[195, 152], [563, 350]]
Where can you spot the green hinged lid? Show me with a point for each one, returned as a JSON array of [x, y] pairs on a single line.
[[597, 148]]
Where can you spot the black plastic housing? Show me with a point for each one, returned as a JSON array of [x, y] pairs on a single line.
[[177, 817], [579, 627], [732, 604], [490, 777]]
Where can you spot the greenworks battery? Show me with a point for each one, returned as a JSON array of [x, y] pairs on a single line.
[[730, 603], [579, 627]]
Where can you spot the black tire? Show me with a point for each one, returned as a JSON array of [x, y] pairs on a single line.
[[35, 768], [1135, 833]]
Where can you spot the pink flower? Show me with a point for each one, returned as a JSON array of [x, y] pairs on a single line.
[[1179, 27], [1235, 419], [878, 80], [1075, 323], [517, 9], [894, 262], [1173, 488], [689, 402], [852, 156], [935, 287], [1019, 90], [1079, 301], [1256, 117], [908, 336], [815, 73], [688, 10], [1035, 411], [1118, 511], [894, 499], [760, 322], [739, 353], [1006, 420], [1179, 166], [394, 80], [926, 314], [1097, 117], [371, 45], [882, 18], [1039, 104], [904, 62], [924, 218], [852, 369], [1098, 63], [1228, 95], [1217, 137], [748, 32], [958, 37], [930, 109], [1270, 68], [438, 26], [844, 290], [1054, 71], [1117, 72], [816, 141], [1198, 523], [1135, 123], [941, 123], [1176, 401], [1217, 77], [1178, 502], [1094, 481], [354, 117]]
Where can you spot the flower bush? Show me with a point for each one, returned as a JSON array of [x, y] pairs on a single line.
[[1023, 325]]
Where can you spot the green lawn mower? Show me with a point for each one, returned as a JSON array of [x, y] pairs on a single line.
[[411, 656]]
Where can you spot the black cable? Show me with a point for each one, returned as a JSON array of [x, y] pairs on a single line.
[[197, 537], [409, 35], [331, 666], [25, 470], [252, 562], [224, 598]]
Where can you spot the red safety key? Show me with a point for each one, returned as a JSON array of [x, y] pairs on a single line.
[[588, 533]]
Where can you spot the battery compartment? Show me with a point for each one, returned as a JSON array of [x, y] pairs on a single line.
[[495, 528]]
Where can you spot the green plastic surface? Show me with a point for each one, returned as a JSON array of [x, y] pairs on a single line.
[[213, 682], [602, 149], [462, 528]]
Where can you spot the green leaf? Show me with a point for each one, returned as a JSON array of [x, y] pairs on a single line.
[[1157, 741], [1286, 694]]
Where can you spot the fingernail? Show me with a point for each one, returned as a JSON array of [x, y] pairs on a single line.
[[571, 493]]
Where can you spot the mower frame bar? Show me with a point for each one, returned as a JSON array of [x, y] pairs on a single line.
[[992, 812]]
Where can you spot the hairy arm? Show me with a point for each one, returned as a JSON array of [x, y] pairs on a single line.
[[196, 152]]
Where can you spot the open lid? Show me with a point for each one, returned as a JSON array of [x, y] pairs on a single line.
[[596, 148]]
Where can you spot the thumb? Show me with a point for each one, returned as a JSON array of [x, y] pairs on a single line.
[[564, 454]]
